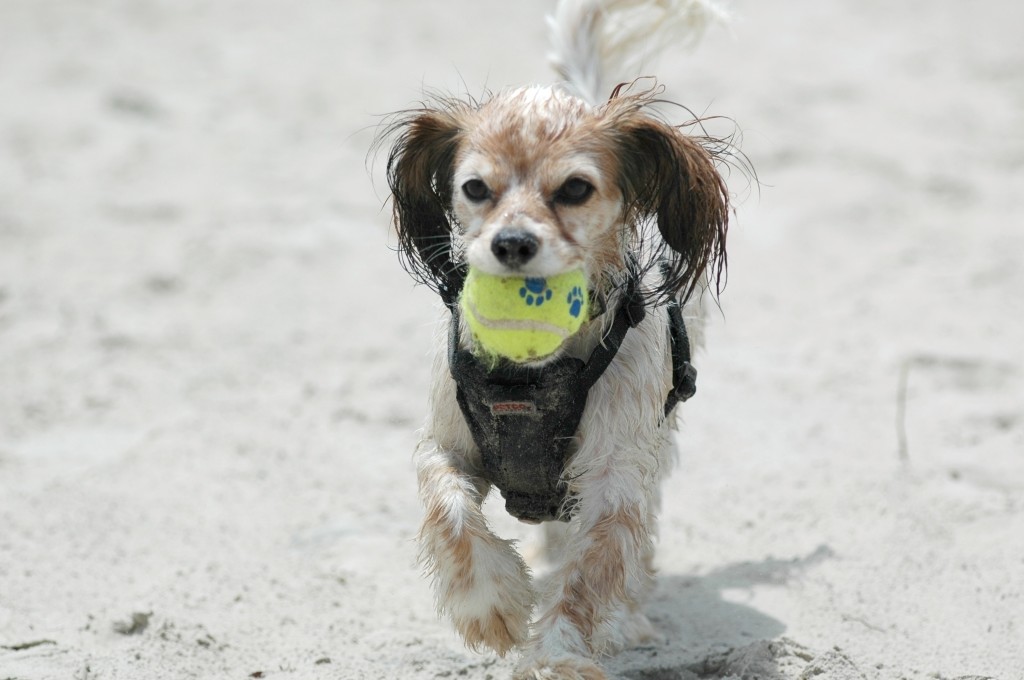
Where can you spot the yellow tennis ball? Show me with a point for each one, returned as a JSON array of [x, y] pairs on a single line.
[[523, 319]]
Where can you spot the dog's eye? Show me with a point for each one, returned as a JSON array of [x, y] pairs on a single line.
[[476, 191], [574, 192]]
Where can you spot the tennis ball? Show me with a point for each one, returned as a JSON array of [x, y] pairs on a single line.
[[523, 319]]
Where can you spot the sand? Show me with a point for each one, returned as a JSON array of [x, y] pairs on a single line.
[[212, 368]]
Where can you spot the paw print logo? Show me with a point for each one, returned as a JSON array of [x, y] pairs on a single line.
[[575, 300], [535, 291]]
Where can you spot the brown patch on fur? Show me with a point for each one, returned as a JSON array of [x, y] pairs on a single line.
[[533, 148], [597, 577], [523, 129], [534, 208], [438, 529], [493, 632], [448, 553]]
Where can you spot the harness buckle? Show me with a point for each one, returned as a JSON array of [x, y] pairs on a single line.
[[687, 386]]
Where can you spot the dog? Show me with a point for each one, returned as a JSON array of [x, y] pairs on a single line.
[[533, 182]]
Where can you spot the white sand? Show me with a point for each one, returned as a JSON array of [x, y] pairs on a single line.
[[212, 368]]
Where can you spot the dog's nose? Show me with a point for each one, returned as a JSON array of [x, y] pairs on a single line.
[[514, 247]]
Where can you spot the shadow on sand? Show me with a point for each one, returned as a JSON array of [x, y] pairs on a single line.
[[709, 636]]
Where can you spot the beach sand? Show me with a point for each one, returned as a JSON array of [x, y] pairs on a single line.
[[213, 368]]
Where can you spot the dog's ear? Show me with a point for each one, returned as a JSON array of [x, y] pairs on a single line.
[[420, 168], [671, 177]]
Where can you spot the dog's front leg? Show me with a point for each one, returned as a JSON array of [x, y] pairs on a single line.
[[594, 602], [480, 581]]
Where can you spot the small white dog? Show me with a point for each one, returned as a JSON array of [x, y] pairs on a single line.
[[535, 182]]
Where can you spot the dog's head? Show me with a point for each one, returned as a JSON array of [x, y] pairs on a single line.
[[536, 182]]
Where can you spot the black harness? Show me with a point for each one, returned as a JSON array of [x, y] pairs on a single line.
[[524, 420]]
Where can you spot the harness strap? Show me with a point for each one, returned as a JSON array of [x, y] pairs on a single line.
[[524, 420], [630, 313], [684, 375], [451, 288]]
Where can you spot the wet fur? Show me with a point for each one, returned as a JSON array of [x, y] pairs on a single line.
[[660, 211], [667, 180]]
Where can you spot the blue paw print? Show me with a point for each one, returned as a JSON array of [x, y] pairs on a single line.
[[575, 300], [535, 291]]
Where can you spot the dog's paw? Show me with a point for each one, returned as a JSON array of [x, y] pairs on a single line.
[[492, 604], [562, 668], [624, 631], [499, 630], [638, 630]]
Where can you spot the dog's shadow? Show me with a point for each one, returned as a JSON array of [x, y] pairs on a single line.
[[705, 627]]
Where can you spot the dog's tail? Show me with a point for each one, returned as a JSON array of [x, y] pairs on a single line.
[[596, 44]]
